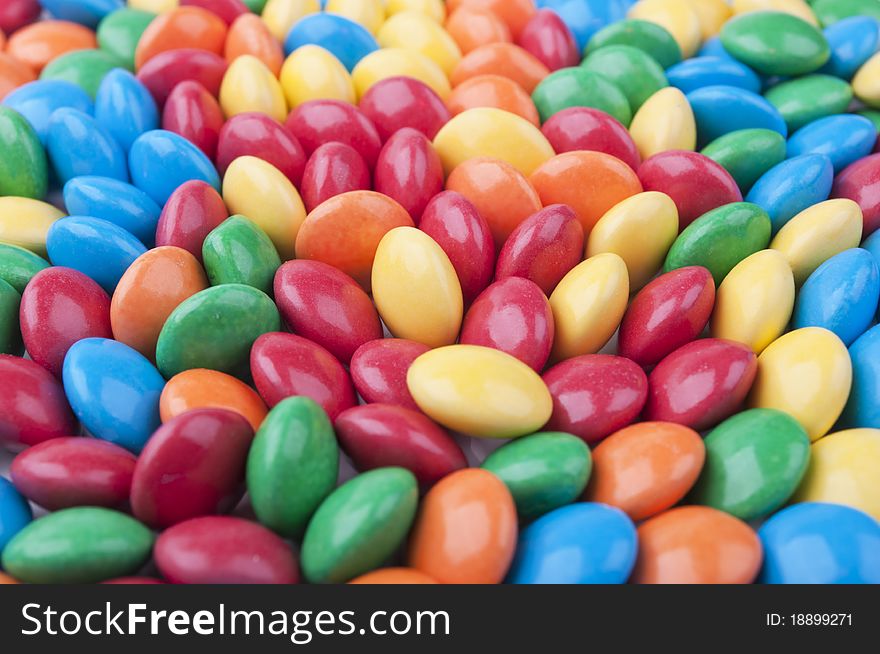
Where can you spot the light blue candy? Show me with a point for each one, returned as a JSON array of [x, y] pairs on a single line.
[[844, 139], [97, 248], [160, 161], [863, 408], [872, 245], [584, 543], [814, 543], [124, 105], [852, 41], [117, 202], [714, 48], [15, 512], [38, 100], [586, 17], [720, 110], [697, 73], [792, 186], [114, 391], [841, 295], [85, 12], [79, 145], [348, 41]]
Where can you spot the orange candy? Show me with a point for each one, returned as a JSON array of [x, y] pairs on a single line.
[[515, 13], [646, 468], [210, 389], [2, 40], [472, 27], [13, 74], [4, 578], [466, 530], [697, 545], [503, 59], [493, 91], [502, 194], [345, 231], [393, 577], [39, 43], [184, 27], [248, 35], [149, 291], [591, 183]]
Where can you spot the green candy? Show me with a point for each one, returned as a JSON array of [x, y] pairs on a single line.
[[85, 68], [119, 32], [255, 6], [632, 70], [775, 43], [78, 546], [831, 11], [803, 100], [359, 526], [754, 463], [24, 170], [239, 252], [577, 87], [18, 265], [649, 37], [720, 239], [10, 332], [543, 472], [747, 154], [215, 329], [292, 465], [872, 115]]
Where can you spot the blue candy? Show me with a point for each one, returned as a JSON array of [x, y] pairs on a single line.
[[79, 145], [38, 100], [586, 17], [844, 139], [792, 186], [348, 41], [700, 72], [114, 391], [714, 48], [15, 512], [117, 202], [584, 543], [97, 248], [124, 105], [85, 12], [863, 408], [853, 41], [815, 543], [160, 161], [720, 110]]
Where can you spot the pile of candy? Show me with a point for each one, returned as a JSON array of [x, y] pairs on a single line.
[[404, 291]]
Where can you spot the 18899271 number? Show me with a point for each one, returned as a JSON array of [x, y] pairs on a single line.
[[810, 620]]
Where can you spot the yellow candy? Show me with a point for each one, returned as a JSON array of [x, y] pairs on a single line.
[[280, 15], [640, 230], [313, 73], [25, 222], [815, 235], [808, 374], [797, 8], [866, 83], [397, 62], [259, 191], [416, 289], [153, 6], [369, 13], [412, 30], [433, 8], [249, 85], [495, 133], [480, 392], [665, 122], [588, 306], [755, 301], [712, 14], [677, 16], [844, 470]]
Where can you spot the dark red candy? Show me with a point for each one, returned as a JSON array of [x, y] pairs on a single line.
[[409, 170], [549, 40], [583, 128], [257, 135], [228, 10], [701, 384], [59, 307], [191, 213], [694, 182], [195, 114], [160, 74], [383, 435], [379, 370], [286, 365], [326, 306], [514, 316], [193, 466], [595, 395], [33, 407], [464, 235], [224, 550], [399, 102], [543, 248], [74, 471], [333, 169], [317, 122], [860, 182], [18, 13], [671, 311]]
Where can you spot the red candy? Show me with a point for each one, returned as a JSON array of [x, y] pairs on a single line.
[[191, 213], [410, 171], [383, 435], [550, 41], [227, 10], [860, 182], [18, 13], [701, 384], [257, 135], [399, 102], [322, 121], [166, 70], [59, 307], [582, 128], [333, 169], [595, 395], [195, 114], [671, 311], [379, 369]]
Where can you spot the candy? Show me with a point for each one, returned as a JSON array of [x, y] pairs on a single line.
[[119, 32], [18, 266], [257, 135], [582, 128], [398, 102], [720, 110], [793, 186], [209, 389], [184, 27], [18, 13], [86, 12], [548, 38], [25, 222], [37, 101], [852, 41], [248, 35], [472, 27], [85, 68], [239, 252], [166, 70], [700, 72], [379, 369], [15, 512], [844, 139], [38, 44], [863, 408], [747, 154], [797, 8], [10, 334], [125, 106], [578, 87], [677, 133], [320, 121], [394, 577], [78, 144], [228, 10], [193, 113], [369, 13], [864, 84], [398, 62], [24, 171], [418, 32], [806, 99], [161, 161], [114, 201], [654, 39], [409, 171], [679, 18], [249, 86], [345, 39], [634, 72], [515, 13], [312, 73], [493, 91], [859, 182], [831, 12], [281, 15]]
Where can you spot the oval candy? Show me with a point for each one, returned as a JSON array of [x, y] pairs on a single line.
[[209, 389], [379, 370]]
